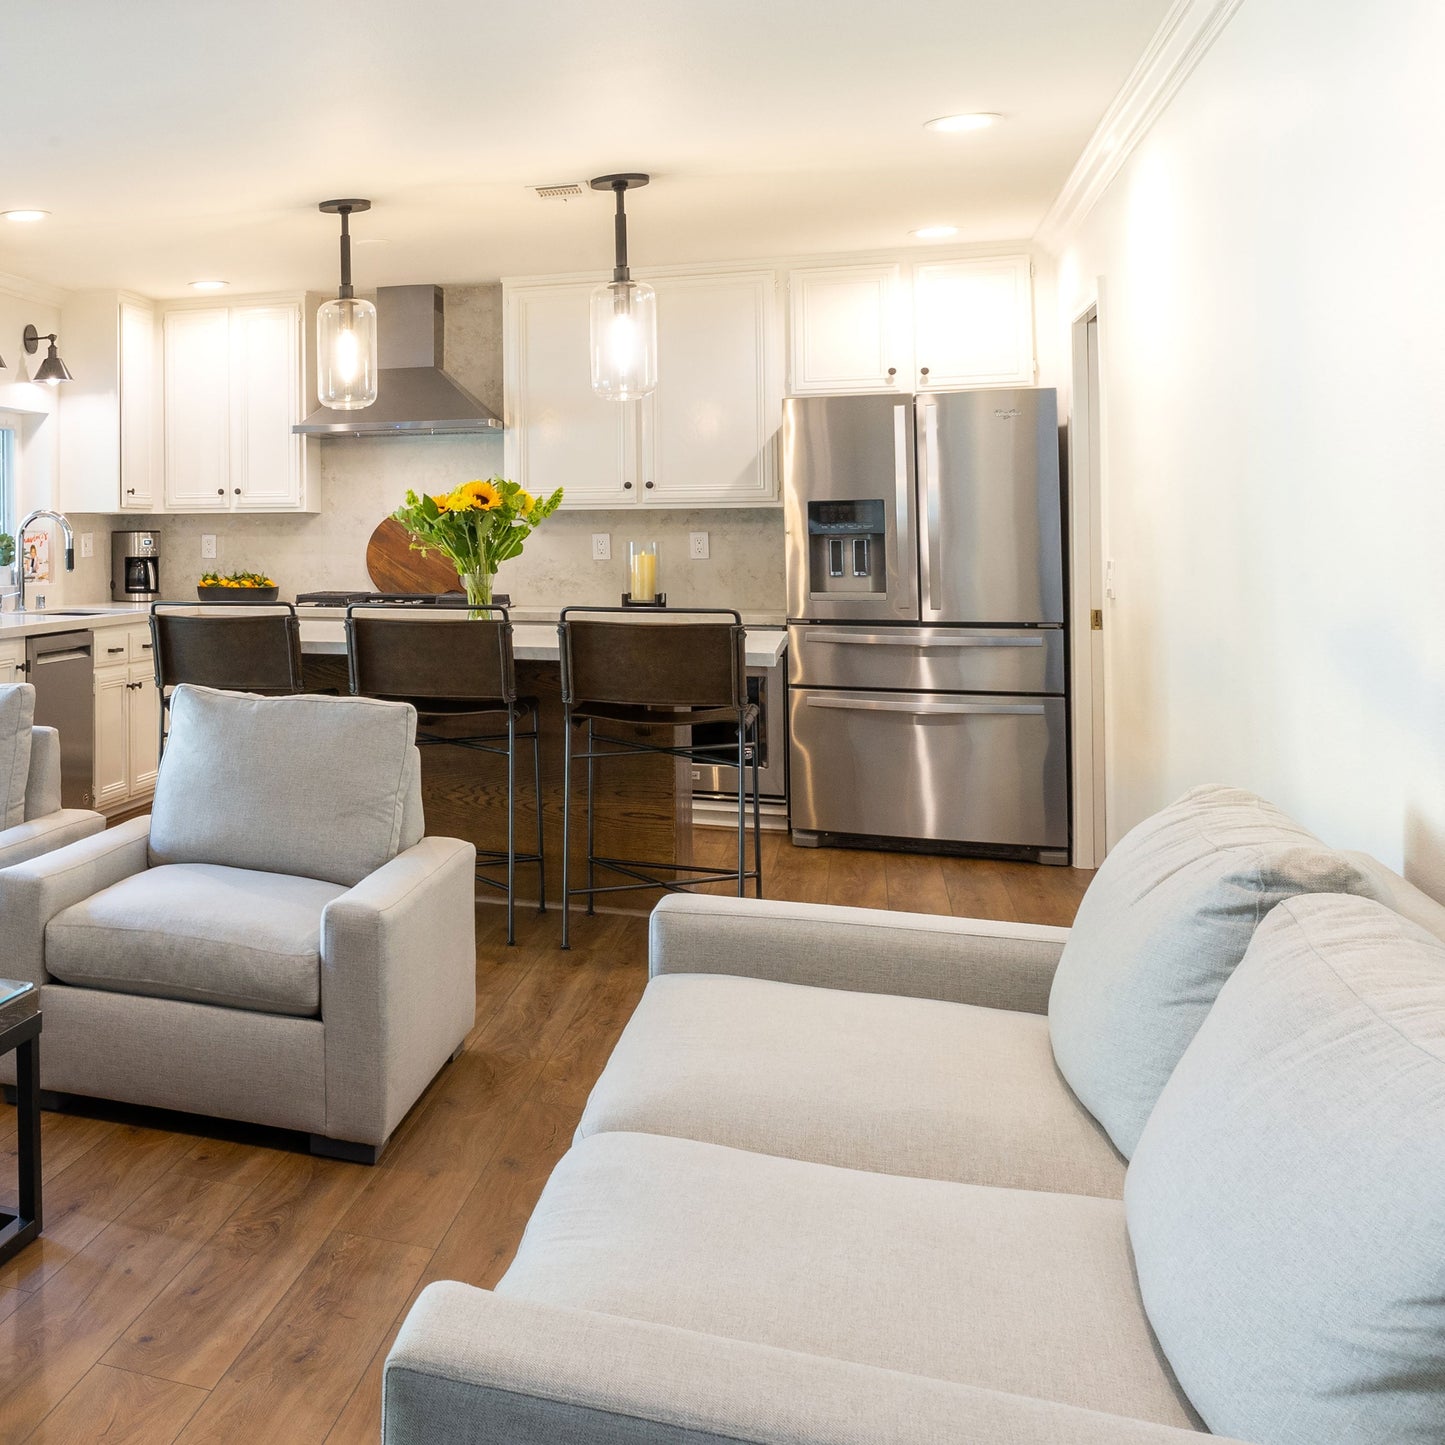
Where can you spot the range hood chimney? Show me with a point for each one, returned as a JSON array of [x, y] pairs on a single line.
[[413, 394]]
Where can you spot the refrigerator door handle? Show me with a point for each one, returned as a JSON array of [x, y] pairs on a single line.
[[926, 709], [932, 519], [900, 494], [884, 639]]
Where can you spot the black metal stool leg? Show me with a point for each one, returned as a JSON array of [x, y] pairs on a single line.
[[757, 824], [591, 822], [511, 825], [537, 793], [566, 824], [742, 806]]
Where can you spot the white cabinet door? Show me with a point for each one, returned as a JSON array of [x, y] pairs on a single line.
[[848, 330], [137, 408], [973, 322], [708, 433], [265, 405], [112, 735], [560, 433], [197, 408], [143, 714], [10, 660]]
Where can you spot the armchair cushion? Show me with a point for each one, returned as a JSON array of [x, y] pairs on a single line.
[[17, 715], [201, 933], [910, 1275], [1286, 1202], [1164, 923], [42, 787], [868, 1081], [317, 787]]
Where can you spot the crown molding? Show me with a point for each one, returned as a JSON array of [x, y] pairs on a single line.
[[37, 291], [1181, 42]]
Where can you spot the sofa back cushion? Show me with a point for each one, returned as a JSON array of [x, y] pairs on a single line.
[[17, 716], [317, 787], [1286, 1203], [1164, 923]]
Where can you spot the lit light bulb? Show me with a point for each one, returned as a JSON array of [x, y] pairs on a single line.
[[348, 356]]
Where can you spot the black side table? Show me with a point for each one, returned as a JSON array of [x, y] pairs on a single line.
[[20, 1030]]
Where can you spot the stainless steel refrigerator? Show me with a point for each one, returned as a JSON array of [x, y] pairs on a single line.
[[926, 621]]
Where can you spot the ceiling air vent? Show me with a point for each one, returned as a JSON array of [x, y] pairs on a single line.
[[563, 192]]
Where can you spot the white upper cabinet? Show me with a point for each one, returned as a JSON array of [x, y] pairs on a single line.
[[846, 331], [560, 433], [707, 430], [946, 323], [973, 322], [137, 407], [232, 393], [704, 438]]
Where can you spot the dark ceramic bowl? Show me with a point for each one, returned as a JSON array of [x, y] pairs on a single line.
[[238, 594]]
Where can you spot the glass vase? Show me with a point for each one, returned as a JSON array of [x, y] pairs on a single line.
[[479, 587]]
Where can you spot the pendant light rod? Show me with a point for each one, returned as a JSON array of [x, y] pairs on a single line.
[[619, 185], [344, 209]]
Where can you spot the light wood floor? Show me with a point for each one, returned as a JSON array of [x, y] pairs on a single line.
[[222, 1286]]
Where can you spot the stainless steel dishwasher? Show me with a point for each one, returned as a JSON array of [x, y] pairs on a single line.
[[60, 667]]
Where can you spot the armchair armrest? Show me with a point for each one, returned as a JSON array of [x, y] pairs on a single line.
[[45, 834], [470, 1365], [42, 785], [33, 892], [917, 955], [398, 984]]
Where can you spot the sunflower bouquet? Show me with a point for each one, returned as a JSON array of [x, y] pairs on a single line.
[[476, 528]]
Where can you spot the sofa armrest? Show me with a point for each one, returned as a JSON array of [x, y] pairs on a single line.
[[55, 830], [42, 785], [398, 984], [471, 1365], [918, 955], [33, 892]]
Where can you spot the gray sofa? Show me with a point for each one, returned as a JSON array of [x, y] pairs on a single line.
[[859, 1177], [277, 942], [32, 820]]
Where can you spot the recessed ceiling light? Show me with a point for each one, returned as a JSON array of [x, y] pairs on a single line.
[[934, 233], [208, 285], [24, 215], [978, 120]]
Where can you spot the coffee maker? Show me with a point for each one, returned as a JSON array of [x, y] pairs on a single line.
[[135, 567]]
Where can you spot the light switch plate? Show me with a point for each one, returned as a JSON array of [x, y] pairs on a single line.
[[602, 546], [87, 544], [697, 546], [208, 546]]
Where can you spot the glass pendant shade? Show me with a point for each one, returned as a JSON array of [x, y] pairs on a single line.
[[346, 354], [624, 340]]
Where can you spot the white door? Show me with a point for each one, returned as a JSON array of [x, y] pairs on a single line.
[[560, 433], [137, 408], [973, 323], [197, 409], [142, 729], [708, 433], [265, 405], [112, 735], [847, 330]]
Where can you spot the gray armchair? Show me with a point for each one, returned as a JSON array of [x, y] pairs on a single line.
[[32, 821], [277, 942]]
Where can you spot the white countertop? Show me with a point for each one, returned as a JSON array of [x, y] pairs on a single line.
[[14, 625]]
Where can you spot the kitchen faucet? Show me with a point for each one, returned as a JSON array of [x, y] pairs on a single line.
[[66, 532]]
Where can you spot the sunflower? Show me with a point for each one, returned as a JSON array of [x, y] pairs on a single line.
[[525, 500], [443, 501], [475, 496]]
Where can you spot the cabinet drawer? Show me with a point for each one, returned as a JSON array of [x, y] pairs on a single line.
[[138, 640], [112, 647], [927, 659]]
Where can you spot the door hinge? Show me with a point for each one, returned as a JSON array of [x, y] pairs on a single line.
[[1096, 619]]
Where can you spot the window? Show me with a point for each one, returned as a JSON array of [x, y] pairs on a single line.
[[7, 487]]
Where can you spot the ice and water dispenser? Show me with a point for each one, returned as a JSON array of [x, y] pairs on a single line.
[[846, 546]]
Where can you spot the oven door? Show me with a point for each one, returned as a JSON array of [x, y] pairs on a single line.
[[767, 690]]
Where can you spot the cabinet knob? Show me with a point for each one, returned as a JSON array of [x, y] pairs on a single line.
[[130, 491], [238, 491], [650, 486], [923, 371], [627, 486], [892, 371], [220, 491]]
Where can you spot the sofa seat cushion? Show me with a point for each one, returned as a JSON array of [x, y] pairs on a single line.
[[17, 714], [1028, 1292], [1287, 1199], [867, 1081], [1165, 921], [199, 932]]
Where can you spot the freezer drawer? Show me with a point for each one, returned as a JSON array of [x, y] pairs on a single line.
[[965, 769], [927, 659]]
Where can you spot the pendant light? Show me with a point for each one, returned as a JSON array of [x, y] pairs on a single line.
[[52, 371], [346, 331], [624, 315]]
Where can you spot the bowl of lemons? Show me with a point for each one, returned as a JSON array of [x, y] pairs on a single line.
[[237, 587]]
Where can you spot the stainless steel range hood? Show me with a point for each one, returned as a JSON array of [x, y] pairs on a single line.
[[413, 394]]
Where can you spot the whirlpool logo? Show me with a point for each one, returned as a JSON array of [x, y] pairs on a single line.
[[1007, 413]]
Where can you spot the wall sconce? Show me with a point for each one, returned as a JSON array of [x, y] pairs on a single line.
[[52, 370]]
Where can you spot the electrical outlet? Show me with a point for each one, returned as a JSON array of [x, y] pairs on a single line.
[[602, 546], [87, 544], [697, 546], [208, 546]]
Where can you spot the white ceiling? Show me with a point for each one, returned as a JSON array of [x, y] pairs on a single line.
[[179, 139]]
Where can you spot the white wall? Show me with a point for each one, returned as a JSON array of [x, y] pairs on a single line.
[[1273, 357]]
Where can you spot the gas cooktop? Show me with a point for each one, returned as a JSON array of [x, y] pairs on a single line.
[[394, 599]]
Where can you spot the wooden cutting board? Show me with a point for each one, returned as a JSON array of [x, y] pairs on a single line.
[[395, 566]]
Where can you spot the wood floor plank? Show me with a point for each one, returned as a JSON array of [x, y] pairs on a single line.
[[857, 879], [57, 1333], [9, 1301], [115, 1407], [797, 874], [297, 1374], [915, 884], [197, 1326], [1040, 895], [529, 1020], [63, 1139], [976, 889], [227, 1161]]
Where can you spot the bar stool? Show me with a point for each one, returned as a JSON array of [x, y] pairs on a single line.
[[255, 651], [452, 670], [671, 674]]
